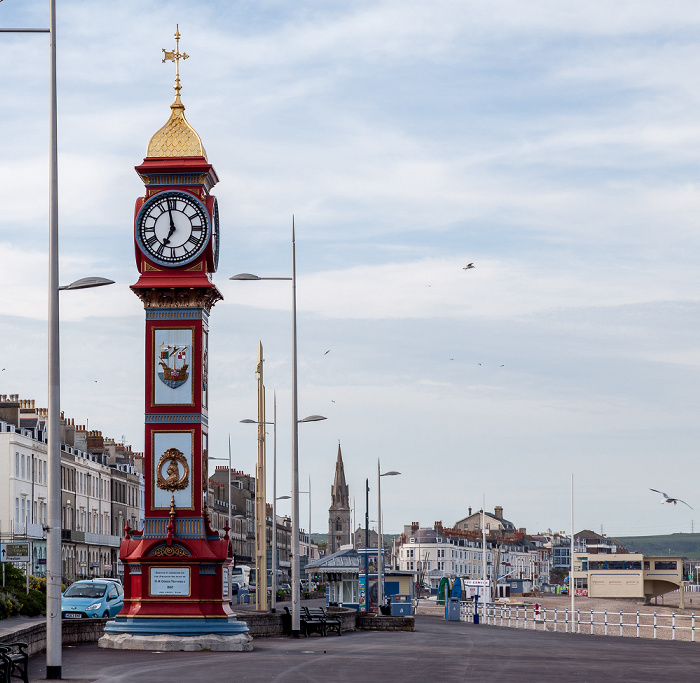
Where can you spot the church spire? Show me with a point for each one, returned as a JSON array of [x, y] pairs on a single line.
[[339, 511], [339, 490]]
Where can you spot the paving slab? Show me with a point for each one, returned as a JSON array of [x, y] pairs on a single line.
[[438, 651]]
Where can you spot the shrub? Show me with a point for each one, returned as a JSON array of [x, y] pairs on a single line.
[[38, 583], [33, 603], [9, 604], [14, 598]]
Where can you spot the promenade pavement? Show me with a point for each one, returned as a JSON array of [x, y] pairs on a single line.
[[437, 652]]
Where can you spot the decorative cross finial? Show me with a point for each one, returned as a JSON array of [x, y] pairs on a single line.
[[175, 56]]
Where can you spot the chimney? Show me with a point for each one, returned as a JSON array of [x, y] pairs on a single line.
[[498, 511], [9, 409], [470, 511]]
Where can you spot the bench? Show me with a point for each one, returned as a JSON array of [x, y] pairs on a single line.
[[309, 623], [332, 623], [14, 661]]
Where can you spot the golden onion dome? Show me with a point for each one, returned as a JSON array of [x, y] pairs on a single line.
[[176, 138]]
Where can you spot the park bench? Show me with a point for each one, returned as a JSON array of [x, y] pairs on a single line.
[[13, 662], [309, 623], [332, 623]]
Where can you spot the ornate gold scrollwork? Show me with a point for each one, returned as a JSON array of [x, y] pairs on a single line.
[[169, 551], [173, 482]]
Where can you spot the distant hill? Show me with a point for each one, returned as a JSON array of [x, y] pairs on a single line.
[[686, 545], [323, 538]]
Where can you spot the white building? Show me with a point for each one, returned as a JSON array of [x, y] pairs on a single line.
[[433, 555], [89, 465]]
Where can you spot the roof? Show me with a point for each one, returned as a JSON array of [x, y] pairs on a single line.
[[345, 560], [507, 524]]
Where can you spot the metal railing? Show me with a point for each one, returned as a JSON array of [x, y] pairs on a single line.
[[637, 624]]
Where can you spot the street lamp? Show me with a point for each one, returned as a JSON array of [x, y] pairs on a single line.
[[308, 581], [296, 616], [54, 636], [228, 502], [275, 497], [53, 541], [380, 544], [273, 596]]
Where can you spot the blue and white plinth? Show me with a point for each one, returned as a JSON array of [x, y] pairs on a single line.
[[178, 635]]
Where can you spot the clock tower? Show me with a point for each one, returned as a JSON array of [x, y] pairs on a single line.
[[176, 566]]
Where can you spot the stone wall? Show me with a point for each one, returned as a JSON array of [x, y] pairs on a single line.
[[263, 624], [372, 622], [260, 625], [77, 631]]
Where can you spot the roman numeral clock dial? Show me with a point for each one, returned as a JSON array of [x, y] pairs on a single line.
[[172, 228]]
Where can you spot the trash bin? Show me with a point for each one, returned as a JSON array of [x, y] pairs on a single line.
[[401, 606], [452, 609]]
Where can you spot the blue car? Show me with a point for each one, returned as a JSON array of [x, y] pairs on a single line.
[[97, 598]]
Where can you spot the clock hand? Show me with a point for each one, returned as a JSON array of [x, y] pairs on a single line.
[[172, 227]]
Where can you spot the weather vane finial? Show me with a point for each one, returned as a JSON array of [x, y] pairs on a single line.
[[175, 56]]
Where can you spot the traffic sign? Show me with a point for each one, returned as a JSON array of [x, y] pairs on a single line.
[[14, 552]]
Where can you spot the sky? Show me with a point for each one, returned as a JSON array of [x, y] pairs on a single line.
[[553, 144]]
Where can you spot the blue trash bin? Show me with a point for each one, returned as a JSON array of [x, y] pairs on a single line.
[[452, 611]]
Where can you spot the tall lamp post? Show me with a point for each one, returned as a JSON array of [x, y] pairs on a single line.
[[261, 425], [308, 587], [54, 652], [380, 544], [228, 503], [367, 546], [274, 551], [53, 541], [275, 497], [296, 616]]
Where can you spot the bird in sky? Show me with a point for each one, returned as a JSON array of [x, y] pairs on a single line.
[[667, 499], [468, 266], [327, 352]]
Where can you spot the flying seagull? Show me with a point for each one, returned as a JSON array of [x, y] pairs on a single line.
[[667, 499], [468, 266], [327, 352]]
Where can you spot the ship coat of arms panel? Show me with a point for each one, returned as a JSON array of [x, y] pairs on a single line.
[[173, 351]]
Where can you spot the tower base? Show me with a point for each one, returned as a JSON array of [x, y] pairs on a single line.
[[178, 635]]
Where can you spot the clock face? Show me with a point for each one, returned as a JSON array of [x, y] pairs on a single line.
[[172, 228], [215, 234]]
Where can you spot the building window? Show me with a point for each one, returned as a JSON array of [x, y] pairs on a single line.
[[16, 464], [23, 466], [665, 565]]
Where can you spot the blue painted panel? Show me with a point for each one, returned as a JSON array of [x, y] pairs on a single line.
[[457, 589]]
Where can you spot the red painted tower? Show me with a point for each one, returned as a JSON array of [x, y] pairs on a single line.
[[175, 568]]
